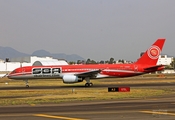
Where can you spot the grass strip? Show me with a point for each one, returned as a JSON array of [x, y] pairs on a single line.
[[52, 96]]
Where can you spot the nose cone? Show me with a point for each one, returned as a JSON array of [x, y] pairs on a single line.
[[9, 76], [14, 75]]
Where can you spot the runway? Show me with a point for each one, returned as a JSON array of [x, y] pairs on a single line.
[[133, 109]]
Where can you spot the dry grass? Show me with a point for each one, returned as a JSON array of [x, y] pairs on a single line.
[[20, 97]]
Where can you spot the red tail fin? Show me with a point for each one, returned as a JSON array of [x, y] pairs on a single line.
[[151, 56]]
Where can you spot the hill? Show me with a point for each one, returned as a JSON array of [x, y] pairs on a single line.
[[8, 52]]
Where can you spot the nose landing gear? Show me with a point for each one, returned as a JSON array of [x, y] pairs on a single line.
[[27, 83]]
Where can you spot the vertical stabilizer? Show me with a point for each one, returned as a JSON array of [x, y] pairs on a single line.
[[151, 56]]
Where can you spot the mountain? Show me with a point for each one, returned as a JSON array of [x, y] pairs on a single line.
[[8, 52], [43, 53]]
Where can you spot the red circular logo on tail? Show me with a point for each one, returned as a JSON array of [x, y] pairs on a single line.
[[153, 52]]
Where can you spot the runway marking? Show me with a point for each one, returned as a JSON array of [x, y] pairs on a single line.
[[57, 117], [158, 112]]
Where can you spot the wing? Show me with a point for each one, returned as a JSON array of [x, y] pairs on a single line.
[[92, 73]]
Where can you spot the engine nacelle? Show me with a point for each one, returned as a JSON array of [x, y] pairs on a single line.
[[70, 79]]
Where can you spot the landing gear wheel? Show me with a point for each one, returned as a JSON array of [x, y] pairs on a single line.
[[27, 83], [88, 84]]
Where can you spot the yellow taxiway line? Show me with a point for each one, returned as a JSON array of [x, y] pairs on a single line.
[[158, 112], [57, 117]]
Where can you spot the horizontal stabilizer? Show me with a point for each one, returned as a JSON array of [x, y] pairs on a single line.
[[153, 67]]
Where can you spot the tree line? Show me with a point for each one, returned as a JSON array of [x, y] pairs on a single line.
[[112, 61], [89, 61]]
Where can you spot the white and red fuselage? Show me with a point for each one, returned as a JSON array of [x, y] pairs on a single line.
[[77, 73], [106, 70]]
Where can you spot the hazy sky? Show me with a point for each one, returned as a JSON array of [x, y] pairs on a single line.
[[96, 29]]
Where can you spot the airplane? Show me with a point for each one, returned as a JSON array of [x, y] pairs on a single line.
[[78, 73]]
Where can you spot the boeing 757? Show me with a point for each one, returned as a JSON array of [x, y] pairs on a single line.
[[78, 73]]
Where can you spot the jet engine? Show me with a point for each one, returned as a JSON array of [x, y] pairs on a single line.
[[70, 79]]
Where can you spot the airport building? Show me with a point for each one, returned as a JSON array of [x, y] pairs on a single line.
[[29, 61], [164, 60]]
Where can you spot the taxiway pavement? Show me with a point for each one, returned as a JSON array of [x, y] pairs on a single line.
[[155, 108]]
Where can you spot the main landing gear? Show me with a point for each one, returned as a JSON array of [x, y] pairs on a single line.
[[88, 83], [27, 83]]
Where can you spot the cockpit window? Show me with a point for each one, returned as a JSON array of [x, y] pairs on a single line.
[[14, 71]]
